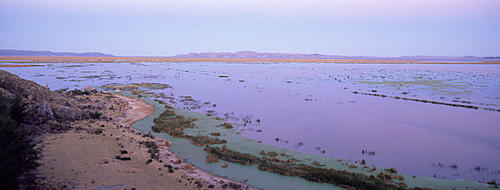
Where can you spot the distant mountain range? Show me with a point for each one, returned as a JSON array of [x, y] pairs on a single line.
[[4, 52], [252, 54]]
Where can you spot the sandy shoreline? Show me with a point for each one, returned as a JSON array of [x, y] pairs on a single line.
[[85, 157], [140, 110], [136, 110]]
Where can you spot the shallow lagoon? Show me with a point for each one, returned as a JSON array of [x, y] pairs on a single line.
[[311, 108]]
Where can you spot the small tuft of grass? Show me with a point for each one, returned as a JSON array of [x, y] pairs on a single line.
[[227, 125]]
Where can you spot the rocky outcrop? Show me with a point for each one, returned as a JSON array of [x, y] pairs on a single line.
[[45, 110], [30, 90], [66, 113]]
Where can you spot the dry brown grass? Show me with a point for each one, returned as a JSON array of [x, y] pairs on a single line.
[[20, 65], [66, 59], [492, 62]]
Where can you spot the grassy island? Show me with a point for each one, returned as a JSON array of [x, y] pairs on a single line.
[[171, 123]]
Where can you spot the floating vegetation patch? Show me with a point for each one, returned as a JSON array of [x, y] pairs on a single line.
[[22, 65], [72, 66], [91, 76], [215, 133], [229, 155], [342, 178], [270, 153], [371, 153], [204, 140], [134, 86], [444, 166], [135, 92], [480, 169], [152, 85], [429, 101], [227, 125], [171, 123], [401, 83]]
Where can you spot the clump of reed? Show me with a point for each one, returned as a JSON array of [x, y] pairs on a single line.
[[227, 125], [204, 140], [229, 155], [343, 178], [174, 125], [171, 123], [215, 133]]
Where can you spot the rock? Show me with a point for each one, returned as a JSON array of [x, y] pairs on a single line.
[[45, 110], [150, 135], [5, 93], [64, 113], [118, 90], [89, 89], [188, 167]]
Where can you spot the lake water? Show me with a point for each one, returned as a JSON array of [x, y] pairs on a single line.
[[439, 121]]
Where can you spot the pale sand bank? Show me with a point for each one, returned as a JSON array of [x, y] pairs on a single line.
[[81, 159]]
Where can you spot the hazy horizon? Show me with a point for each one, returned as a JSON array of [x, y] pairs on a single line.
[[18, 52], [166, 28]]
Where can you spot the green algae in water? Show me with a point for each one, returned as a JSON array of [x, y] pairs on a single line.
[[262, 179], [196, 156]]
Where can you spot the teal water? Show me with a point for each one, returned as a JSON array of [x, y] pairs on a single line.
[[250, 173]]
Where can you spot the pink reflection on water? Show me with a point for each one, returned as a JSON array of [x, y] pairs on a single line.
[[303, 105], [311, 108]]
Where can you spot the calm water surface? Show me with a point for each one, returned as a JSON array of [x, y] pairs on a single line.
[[312, 108]]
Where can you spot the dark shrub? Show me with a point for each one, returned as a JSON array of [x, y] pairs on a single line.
[[96, 115], [17, 150]]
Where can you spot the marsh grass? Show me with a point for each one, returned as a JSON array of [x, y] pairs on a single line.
[[171, 123], [138, 86], [215, 133], [227, 125], [229, 155], [430, 101], [174, 125], [315, 172], [204, 140], [22, 65]]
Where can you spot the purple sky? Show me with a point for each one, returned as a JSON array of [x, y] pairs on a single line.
[[335, 27]]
